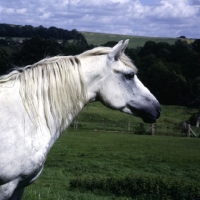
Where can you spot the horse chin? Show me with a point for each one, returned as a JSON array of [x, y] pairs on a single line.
[[147, 117]]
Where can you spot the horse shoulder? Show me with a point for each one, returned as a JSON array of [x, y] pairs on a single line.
[[23, 145]]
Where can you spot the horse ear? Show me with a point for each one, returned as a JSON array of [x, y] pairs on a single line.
[[118, 44], [118, 50], [126, 44]]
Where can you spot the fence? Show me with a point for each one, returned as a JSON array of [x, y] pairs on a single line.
[[135, 128], [188, 130]]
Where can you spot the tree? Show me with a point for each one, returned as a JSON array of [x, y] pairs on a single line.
[[193, 106], [7, 30], [28, 31], [148, 49], [53, 32], [5, 64], [196, 45], [109, 44], [162, 50], [36, 49], [164, 79]]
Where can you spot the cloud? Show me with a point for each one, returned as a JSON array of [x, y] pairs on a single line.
[[174, 9], [138, 17], [196, 2], [21, 11]]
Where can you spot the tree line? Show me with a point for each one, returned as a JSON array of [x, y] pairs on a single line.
[[171, 72], [28, 31]]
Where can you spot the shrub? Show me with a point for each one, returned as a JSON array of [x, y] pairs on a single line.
[[153, 187], [139, 129]]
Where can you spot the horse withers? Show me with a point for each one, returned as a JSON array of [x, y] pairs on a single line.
[[38, 102]]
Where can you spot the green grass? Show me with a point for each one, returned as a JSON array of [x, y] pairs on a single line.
[[102, 149], [99, 154], [135, 41]]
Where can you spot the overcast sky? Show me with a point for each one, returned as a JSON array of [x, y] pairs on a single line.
[[160, 18]]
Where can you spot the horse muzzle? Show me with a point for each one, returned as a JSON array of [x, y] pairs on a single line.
[[149, 114], [149, 117]]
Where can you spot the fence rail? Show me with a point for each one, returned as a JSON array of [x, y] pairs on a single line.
[[130, 127]]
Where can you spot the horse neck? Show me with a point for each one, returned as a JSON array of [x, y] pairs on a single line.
[[58, 129], [53, 97], [94, 69]]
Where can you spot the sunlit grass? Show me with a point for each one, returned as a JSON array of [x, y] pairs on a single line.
[[135, 41], [100, 154]]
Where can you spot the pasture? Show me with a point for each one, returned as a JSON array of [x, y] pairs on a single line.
[[135, 41], [83, 164]]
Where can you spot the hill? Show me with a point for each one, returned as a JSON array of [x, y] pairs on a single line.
[[135, 41]]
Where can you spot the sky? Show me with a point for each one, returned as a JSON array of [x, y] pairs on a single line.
[[156, 18]]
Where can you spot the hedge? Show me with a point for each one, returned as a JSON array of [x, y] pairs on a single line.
[[145, 187]]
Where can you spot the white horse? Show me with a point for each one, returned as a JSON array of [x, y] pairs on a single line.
[[38, 102]]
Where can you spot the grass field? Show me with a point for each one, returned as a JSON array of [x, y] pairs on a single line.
[[135, 41], [89, 154]]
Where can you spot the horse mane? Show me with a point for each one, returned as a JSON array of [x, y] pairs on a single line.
[[51, 87]]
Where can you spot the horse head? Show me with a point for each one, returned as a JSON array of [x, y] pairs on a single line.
[[113, 80]]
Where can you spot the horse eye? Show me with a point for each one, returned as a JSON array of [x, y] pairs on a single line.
[[129, 76]]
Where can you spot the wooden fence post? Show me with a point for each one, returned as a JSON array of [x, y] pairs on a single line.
[[152, 129], [198, 121], [188, 130], [153, 126]]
